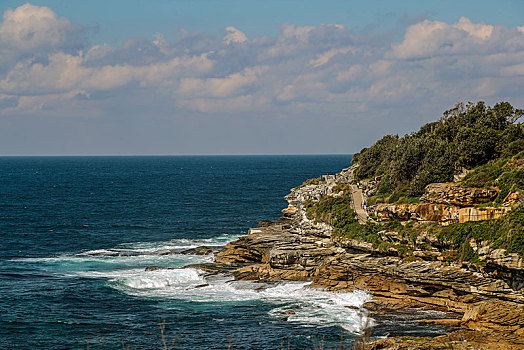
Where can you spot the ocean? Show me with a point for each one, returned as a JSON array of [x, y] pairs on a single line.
[[78, 232]]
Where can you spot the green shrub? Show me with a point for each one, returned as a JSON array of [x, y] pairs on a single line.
[[340, 187], [409, 200], [395, 196], [466, 251], [334, 210], [385, 187]]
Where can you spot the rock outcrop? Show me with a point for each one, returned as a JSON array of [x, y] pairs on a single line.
[[495, 314], [488, 300], [439, 213], [295, 213], [337, 265], [453, 194], [202, 250]]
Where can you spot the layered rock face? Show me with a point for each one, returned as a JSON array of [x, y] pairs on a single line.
[[444, 203], [433, 212], [488, 299], [276, 253], [452, 194]]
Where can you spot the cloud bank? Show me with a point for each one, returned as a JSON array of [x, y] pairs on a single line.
[[48, 68]]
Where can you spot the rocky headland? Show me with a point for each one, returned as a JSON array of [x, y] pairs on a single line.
[[454, 244], [484, 301]]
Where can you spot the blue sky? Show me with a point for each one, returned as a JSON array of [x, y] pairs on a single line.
[[114, 21], [245, 77]]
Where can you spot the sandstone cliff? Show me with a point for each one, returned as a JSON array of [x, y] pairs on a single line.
[[434, 212]]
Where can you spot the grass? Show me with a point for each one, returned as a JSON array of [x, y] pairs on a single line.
[[507, 173], [409, 200]]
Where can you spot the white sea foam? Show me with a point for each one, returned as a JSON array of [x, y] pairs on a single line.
[[179, 278], [110, 263], [79, 263], [311, 307], [158, 248], [126, 273], [141, 252]]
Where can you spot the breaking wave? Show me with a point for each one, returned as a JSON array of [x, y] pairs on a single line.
[[123, 268], [294, 301]]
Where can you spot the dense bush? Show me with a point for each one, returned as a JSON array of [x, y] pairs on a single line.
[[334, 210], [486, 140], [466, 136]]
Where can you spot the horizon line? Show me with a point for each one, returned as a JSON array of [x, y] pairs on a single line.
[[176, 155]]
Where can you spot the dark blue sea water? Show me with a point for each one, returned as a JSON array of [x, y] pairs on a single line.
[[77, 233]]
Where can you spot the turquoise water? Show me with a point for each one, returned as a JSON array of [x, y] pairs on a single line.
[[78, 232]]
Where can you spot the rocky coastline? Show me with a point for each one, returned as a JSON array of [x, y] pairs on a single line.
[[484, 302]]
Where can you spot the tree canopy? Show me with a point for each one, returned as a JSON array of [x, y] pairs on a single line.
[[466, 136]]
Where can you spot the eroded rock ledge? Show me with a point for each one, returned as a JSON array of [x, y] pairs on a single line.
[[479, 299]]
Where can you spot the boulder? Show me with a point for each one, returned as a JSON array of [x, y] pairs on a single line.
[[202, 250], [452, 194], [495, 314]]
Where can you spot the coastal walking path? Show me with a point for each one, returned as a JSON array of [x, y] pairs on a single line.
[[357, 199]]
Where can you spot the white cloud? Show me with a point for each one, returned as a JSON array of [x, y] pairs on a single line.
[[65, 72], [234, 36], [517, 69], [41, 104], [324, 57], [242, 103], [425, 39], [301, 71], [479, 30], [30, 29], [293, 40], [220, 87], [352, 73], [430, 38], [380, 67]]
